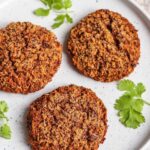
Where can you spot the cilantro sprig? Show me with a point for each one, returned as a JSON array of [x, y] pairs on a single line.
[[5, 130], [130, 104], [57, 6]]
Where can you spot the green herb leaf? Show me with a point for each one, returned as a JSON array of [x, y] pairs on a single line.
[[58, 1], [57, 24], [130, 104], [134, 120], [125, 85], [50, 3], [69, 19], [2, 116], [58, 5], [5, 131], [67, 4], [41, 12], [59, 21], [4, 128], [123, 103], [44, 2], [137, 105], [60, 18], [140, 89], [3, 106]]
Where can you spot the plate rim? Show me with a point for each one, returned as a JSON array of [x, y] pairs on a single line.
[[141, 12]]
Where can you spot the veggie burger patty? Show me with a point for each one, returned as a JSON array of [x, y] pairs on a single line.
[[29, 57], [70, 117], [104, 46]]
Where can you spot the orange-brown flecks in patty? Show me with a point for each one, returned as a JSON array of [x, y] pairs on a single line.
[[29, 57], [68, 118], [104, 46]]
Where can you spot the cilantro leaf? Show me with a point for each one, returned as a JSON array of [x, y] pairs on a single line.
[[57, 24], [137, 105], [134, 120], [130, 111], [4, 128], [44, 2], [50, 3], [59, 21], [2, 116], [3, 106], [67, 4], [58, 1], [5, 131], [47, 2], [124, 115], [130, 104], [125, 85], [41, 12], [60, 18], [69, 19], [58, 4], [125, 99], [140, 89]]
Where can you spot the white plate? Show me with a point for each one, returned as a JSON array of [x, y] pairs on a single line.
[[118, 137], [4, 2]]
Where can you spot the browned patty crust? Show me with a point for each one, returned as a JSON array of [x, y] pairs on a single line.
[[69, 118], [29, 57], [104, 46]]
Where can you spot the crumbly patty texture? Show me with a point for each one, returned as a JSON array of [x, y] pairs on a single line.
[[69, 118], [29, 57], [104, 46]]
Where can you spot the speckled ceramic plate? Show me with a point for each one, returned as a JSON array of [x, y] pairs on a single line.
[[118, 137]]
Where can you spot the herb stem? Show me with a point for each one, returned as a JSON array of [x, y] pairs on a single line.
[[63, 12], [146, 102]]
